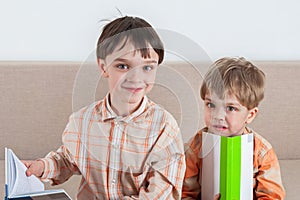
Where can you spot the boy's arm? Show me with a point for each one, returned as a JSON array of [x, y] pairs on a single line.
[[191, 186], [59, 166], [167, 162], [268, 179]]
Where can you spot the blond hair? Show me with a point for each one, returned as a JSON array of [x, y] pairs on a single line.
[[235, 76]]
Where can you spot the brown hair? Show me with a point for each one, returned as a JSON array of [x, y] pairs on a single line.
[[133, 29], [235, 76]]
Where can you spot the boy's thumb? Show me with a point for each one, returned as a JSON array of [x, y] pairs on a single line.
[[28, 173]]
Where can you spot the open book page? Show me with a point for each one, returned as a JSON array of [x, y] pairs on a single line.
[[17, 181]]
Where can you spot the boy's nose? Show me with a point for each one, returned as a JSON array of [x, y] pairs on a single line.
[[219, 114], [134, 75]]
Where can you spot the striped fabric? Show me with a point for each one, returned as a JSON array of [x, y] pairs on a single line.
[[267, 182], [139, 156]]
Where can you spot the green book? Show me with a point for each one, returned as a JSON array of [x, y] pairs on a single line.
[[227, 167]]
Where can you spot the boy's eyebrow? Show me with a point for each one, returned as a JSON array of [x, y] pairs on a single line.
[[120, 60], [151, 61], [128, 60], [234, 104], [207, 99]]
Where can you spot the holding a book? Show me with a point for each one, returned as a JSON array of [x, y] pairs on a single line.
[[232, 90]]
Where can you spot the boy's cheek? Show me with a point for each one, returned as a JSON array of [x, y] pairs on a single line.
[[149, 88], [207, 120], [207, 115]]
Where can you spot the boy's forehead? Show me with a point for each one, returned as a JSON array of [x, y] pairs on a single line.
[[127, 50], [121, 50], [227, 97]]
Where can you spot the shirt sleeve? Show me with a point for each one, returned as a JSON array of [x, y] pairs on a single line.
[[59, 166], [167, 161], [268, 179], [191, 184]]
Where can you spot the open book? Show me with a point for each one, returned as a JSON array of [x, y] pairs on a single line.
[[19, 186], [227, 166]]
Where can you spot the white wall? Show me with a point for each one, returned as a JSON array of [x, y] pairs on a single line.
[[68, 29]]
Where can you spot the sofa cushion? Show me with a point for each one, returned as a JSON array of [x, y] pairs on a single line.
[[38, 97], [290, 174]]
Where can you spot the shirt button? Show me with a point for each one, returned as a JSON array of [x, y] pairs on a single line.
[[113, 182]]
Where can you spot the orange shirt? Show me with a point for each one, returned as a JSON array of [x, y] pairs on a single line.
[[140, 156], [266, 171]]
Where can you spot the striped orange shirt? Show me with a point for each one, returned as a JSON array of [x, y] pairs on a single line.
[[140, 156], [267, 182]]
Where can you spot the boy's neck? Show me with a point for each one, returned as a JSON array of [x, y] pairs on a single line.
[[123, 108]]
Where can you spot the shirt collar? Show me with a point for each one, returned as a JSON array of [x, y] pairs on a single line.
[[108, 113]]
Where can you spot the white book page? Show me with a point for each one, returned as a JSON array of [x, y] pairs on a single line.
[[58, 194], [210, 154], [247, 167], [19, 182], [10, 170]]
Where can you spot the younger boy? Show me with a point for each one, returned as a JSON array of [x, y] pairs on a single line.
[[232, 90], [124, 146]]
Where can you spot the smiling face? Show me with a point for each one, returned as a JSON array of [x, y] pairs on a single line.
[[130, 77], [226, 116]]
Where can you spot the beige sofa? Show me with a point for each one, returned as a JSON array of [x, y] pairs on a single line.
[[38, 97]]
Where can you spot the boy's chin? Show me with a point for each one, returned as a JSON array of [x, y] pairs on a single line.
[[135, 99]]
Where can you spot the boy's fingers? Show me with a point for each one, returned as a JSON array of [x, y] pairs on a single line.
[[26, 163], [217, 196], [34, 167], [28, 172]]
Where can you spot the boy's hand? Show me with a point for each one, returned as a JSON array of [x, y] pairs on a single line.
[[34, 167], [217, 196]]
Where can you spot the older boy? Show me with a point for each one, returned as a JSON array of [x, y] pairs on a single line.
[[124, 146], [232, 90]]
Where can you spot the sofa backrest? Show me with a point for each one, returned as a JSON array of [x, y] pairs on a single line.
[[38, 97]]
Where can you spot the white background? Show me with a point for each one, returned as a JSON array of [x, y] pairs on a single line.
[[67, 30]]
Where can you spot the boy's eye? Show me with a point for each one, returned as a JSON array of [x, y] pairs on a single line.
[[148, 68], [122, 66], [231, 108], [210, 105]]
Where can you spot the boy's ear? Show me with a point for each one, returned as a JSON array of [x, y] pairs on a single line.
[[102, 68], [252, 115]]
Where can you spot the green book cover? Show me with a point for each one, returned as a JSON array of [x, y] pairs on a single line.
[[227, 166]]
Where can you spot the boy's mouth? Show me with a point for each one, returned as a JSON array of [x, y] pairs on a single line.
[[133, 90], [220, 127]]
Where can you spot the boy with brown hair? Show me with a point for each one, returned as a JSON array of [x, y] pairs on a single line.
[[124, 146], [232, 90]]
